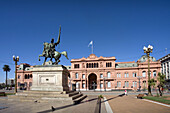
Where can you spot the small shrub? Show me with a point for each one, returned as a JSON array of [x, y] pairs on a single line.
[[100, 96]]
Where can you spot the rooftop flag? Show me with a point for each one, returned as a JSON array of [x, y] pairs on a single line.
[[91, 43]]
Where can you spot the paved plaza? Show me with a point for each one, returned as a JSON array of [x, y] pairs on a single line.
[[86, 106], [118, 104], [130, 104]]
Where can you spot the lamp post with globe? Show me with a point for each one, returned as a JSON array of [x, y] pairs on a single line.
[[16, 60], [148, 51]]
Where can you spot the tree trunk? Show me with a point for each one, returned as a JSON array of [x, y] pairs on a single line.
[[160, 92]]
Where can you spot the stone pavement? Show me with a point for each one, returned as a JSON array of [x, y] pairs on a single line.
[[130, 104], [86, 106]]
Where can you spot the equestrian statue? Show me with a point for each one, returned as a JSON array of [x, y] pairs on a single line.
[[49, 51]]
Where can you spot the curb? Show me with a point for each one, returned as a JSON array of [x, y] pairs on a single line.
[[107, 106]]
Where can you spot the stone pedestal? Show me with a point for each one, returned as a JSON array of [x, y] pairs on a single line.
[[50, 78]]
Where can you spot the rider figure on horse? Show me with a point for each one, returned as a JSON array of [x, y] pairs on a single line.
[[52, 47], [50, 51]]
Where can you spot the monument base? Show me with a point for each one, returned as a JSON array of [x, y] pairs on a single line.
[[50, 78]]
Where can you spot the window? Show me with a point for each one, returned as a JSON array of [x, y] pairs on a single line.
[[77, 75], [126, 75], [83, 85], [83, 76], [134, 84], [108, 64], [92, 65], [77, 85], [154, 73], [30, 75], [19, 76], [18, 84], [134, 74], [76, 65], [118, 75], [26, 76], [126, 84], [30, 84], [144, 73], [101, 75], [118, 84], [108, 84], [108, 74], [101, 85]]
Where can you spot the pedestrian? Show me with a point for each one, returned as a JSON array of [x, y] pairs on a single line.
[[125, 92]]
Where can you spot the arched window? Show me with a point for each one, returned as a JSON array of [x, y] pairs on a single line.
[[108, 74], [154, 73], [134, 74], [144, 73], [101, 75], [30, 75], [77, 75], [19, 76], [26, 76]]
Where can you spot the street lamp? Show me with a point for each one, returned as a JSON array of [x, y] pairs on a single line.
[[16, 60], [148, 51], [139, 77]]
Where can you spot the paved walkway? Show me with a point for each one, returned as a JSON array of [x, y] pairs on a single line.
[[86, 106], [130, 104]]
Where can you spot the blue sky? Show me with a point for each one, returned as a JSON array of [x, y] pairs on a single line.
[[118, 28]]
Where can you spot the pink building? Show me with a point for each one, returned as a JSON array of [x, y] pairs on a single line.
[[101, 73], [24, 76]]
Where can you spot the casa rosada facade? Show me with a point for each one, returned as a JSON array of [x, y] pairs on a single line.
[[100, 73], [103, 73]]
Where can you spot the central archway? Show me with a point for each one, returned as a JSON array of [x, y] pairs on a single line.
[[92, 81]]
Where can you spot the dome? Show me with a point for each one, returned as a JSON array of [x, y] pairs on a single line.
[[144, 58]]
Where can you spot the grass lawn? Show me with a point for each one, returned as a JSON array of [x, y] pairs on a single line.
[[159, 99], [7, 94]]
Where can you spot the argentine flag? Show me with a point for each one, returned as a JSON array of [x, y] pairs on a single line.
[[91, 43]]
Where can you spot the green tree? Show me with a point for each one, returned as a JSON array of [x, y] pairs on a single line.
[[7, 69], [152, 83], [161, 80]]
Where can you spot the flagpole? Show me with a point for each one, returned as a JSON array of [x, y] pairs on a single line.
[[92, 47]]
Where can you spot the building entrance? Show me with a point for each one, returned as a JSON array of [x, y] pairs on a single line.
[[92, 81]]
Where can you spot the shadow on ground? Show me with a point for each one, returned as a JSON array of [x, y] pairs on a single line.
[[121, 95], [66, 106], [62, 107]]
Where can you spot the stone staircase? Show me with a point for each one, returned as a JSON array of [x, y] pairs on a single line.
[[67, 97]]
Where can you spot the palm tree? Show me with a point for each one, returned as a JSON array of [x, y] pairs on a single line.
[[7, 69]]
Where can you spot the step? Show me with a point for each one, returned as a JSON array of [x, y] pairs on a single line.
[[42, 100], [77, 96], [73, 93], [42, 94], [78, 100], [45, 92]]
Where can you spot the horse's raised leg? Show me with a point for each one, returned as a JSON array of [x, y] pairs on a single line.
[[45, 60], [39, 57]]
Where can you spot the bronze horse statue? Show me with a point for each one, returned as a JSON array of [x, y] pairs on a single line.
[[56, 55]]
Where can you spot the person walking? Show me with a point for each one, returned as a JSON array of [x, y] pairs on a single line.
[[125, 92]]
